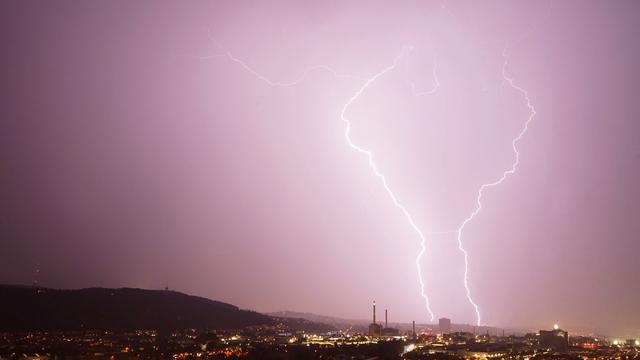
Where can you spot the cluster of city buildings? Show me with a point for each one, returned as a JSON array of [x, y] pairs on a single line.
[[378, 341], [278, 342]]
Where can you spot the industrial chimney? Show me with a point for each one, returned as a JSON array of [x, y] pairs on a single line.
[[374, 311], [385, 318]]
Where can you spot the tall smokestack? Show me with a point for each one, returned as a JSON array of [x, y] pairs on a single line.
[[385, 318], [374, 311], [413, 324]]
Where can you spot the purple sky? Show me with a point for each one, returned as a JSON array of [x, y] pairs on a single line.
[[128, 159]]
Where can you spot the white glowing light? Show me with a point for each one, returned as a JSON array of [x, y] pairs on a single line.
[[408, 348], [555, 327]]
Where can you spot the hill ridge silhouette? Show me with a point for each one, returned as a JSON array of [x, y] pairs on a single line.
[[24, 308]]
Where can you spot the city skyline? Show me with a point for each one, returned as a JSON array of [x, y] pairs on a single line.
[[312, 157]]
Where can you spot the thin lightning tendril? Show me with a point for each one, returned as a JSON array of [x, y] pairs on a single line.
[[434, 74], [293, 82], [249, 69], [269, 82], [505, 174]]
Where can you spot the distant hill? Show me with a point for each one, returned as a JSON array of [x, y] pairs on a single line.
[[339, 323], [26, 308], [353, 325]]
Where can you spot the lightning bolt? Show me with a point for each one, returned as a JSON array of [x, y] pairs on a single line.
[[369, 155], [532, 112], [347, 132]]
